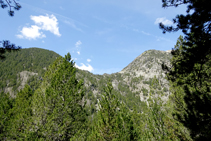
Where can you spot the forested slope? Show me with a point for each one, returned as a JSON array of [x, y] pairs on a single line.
[[27, 64], [60, 102], [131, 85]]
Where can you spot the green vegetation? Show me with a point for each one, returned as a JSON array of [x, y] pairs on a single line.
[[70, 104], [189, 73], [113, 119], [191, 94], [60, 107], [33, 60]]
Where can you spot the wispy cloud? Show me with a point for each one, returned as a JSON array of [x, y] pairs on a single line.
[[84, 67], [104, 31], [163, 20], [72, 24], [158, 38], [77, 47], [103, 20], [88, 60], [61, 8], [143, 32], [78, 43], [42, 23]]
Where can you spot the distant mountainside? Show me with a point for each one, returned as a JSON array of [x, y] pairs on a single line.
[[23, 66], [131, 85]]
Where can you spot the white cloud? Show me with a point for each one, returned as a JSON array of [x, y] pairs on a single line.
[[84, 67], [32, 32], [46, 23], [77, 44], [164, 21], [78, 52], [89, 60]]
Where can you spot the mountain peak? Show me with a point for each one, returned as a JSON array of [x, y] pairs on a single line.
[[148, 63]]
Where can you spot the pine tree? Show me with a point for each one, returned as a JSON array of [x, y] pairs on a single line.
[[114, 120], [159, 123], [6, 104], [58, 105], [20, 115], [191, 92]]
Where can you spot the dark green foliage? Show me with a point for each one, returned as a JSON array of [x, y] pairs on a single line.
[[7, 47], [191, 93], [157, 119], [144, 91], [11, 4], [196, 25], [114, 121], [58, 105], [6, 104], [20, 115], [137, 79], [68, 57]]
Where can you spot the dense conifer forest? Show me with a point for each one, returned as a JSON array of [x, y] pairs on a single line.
[[55, 104]]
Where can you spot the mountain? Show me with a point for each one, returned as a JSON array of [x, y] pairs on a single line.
[[147, 66], [131, 85]]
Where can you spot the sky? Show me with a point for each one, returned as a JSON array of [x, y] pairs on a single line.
[[102, 36]]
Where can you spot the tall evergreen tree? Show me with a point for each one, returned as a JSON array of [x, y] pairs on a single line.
[[159, 123], [6, 104], [114, 121], [196, 25], [58, 105], [191, 93], [190, 71], [20, 115]]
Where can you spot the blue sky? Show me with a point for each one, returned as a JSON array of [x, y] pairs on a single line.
[[102, 36]]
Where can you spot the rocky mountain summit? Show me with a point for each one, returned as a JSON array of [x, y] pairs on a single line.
[[147, 66]]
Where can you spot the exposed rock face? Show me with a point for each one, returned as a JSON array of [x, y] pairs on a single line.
[[147, 65], [10, 91], [24, 76]]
